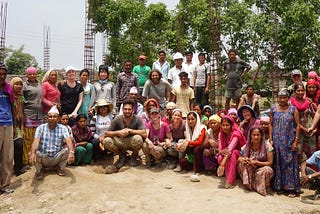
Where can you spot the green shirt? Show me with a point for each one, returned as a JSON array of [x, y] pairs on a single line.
[[142, 73]]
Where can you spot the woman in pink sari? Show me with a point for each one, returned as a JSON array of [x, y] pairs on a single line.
[[230, 142]]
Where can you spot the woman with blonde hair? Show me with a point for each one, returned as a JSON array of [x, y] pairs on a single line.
[[50, 91]]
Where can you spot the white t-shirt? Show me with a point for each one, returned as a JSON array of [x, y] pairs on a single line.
[[174, 76], [189, 68]]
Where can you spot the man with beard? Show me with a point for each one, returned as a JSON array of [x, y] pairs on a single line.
[[157, 88], [126, 132]]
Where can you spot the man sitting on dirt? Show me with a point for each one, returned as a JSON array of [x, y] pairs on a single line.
[[47, 148], [311, 177], [126, 132]]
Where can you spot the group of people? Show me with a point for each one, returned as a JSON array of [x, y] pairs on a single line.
[[163, 115]]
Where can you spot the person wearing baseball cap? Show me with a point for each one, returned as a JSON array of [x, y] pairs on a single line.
[[296, 76], [142, 70]]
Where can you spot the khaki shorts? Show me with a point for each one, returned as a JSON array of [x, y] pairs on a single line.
[[127, 143], [233, 93]]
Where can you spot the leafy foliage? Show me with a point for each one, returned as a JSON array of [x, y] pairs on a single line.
[[17, 61]]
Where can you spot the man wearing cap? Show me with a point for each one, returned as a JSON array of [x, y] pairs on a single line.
[[126, 132], [125, 80], [234, 69], [6, 132], [47, 148], [142, 70], [138, 107], [162, 64], [296, 76], [32, 93], [173, 75]]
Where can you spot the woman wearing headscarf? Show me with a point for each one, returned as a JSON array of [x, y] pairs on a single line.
[[307, 141], [149, 104], [18, 134], [50, 91], [255, 164], [192, 145], [231, 140], [212, 148], [33, 114]]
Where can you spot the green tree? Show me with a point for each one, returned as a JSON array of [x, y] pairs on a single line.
[[17, 61], [132, 28]]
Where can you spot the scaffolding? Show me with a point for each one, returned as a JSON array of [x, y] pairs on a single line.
[[46, 47], [275, 71], [89, 44], [215, 56], [3, 23]]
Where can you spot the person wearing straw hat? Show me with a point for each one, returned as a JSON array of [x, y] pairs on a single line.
[[248, 119], [47, 148], [99, 124]]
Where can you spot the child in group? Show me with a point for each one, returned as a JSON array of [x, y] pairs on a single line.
[[82, 135], [183, 95], [64, 120]]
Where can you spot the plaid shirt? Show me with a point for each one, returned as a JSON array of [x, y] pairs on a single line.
[[124, 83], [51, 141], [84, 136]]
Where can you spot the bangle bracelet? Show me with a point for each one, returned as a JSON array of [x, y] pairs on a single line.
[[72, 152]]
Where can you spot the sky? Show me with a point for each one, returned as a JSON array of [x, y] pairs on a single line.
[[66, 18]]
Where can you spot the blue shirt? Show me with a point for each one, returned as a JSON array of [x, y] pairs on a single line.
[[51, 141], [315, 159], [6, 118]]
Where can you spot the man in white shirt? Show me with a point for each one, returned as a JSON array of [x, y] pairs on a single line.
[[189, 67], [162, 64], [173, 75]]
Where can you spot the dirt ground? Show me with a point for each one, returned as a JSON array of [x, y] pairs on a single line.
[[86, 189]]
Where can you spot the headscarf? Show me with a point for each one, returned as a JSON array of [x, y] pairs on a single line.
[[262, 152], [215, 117], [316, 96], [300, 106], [197, 128], [147, 103], [31, 70], [18, 107], [209, 107], [313, 74], [235, 132]]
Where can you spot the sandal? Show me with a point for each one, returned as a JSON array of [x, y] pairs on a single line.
[[60, 172]]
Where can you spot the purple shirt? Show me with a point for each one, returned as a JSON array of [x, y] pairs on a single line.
[[160, 133]]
